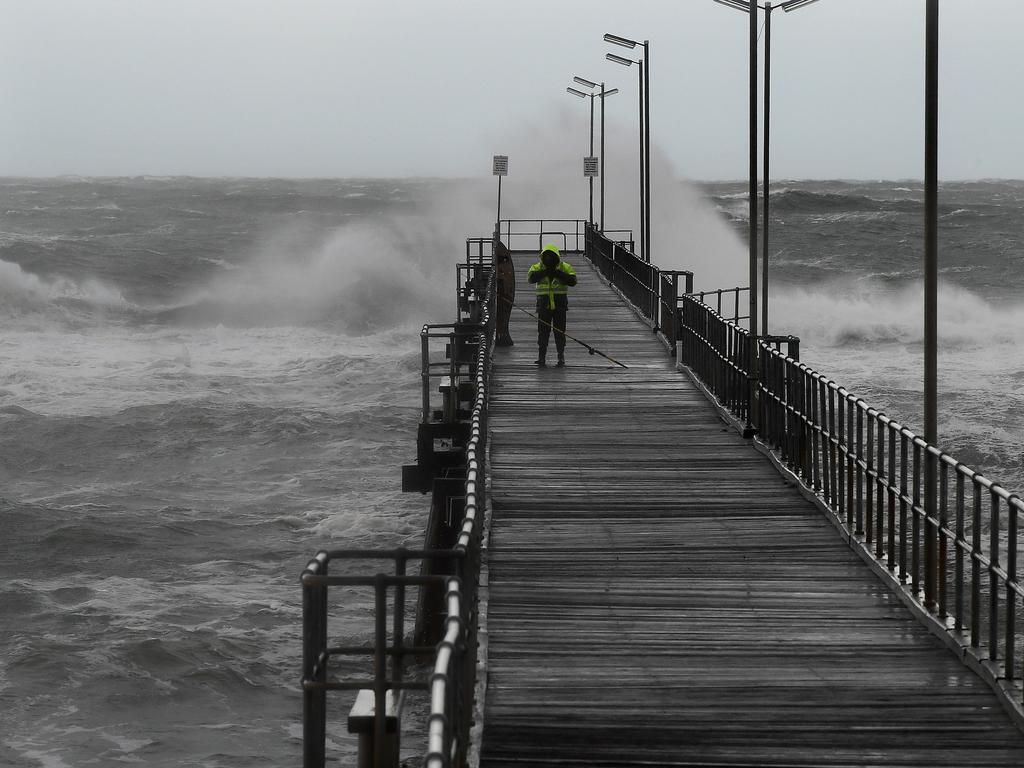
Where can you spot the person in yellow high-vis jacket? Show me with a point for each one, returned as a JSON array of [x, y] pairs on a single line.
[[551, 278]]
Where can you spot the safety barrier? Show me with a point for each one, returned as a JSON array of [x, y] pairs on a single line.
[[654, 292], [714, 299], [453, 570], [533, 234], [940, 528], [568, 234]]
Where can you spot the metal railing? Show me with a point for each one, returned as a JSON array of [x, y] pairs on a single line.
[[533, 234], [621, 237], [653, 292], [714, 299], [940, 528], [718, 351], [317, 653], [451, 692], [451, 684], [479, 250]]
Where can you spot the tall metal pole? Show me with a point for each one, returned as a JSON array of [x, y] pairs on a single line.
[[931, 286], [603, 166], [647, 149], [751, 426], [640, 91], [767, 149], [498, 225], [591, 155]]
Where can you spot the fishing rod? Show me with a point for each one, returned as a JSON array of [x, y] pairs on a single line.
[[590, 349]]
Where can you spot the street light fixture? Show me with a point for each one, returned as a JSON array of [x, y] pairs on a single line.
[[748, 7], [640, 91], [603, 94], [645, 132]]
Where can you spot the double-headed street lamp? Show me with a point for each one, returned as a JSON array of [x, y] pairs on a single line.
[[645, 132], [751, 7], [582, 95], [640, 90], [602, 94]]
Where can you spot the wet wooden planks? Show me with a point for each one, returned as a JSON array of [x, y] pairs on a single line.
[[658, 596]]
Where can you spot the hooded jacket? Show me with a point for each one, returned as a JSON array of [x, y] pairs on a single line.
[[551, 285]]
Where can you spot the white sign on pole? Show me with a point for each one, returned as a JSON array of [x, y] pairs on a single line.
[[590, 167], [500, 165]]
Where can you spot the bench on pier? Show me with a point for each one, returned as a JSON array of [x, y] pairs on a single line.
[[360, 721]]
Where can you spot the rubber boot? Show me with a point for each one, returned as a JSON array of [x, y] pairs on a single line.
[[561, 359], [540, 358]]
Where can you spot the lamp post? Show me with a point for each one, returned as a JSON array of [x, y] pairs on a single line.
[[788, 6], [583, 95], [931, 288], [603, 94], [640, 91], [645, 129]]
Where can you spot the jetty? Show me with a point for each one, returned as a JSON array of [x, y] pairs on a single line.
[[692, 560]]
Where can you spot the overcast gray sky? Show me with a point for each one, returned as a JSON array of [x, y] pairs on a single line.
[[403, 88]]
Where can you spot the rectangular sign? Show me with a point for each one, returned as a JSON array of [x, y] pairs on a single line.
[[500, 165], [590, 167]]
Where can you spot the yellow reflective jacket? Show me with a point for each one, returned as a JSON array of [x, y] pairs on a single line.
[[551, 286]]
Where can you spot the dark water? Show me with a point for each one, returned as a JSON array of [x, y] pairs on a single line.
[[847, 275], [201, 382], [204, 381]]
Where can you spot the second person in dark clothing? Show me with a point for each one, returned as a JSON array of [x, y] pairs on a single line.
[[552, 279]]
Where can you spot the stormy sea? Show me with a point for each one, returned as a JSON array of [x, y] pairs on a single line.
[[202, 381]]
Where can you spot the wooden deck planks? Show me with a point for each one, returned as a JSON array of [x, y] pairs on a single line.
[[658, 596]]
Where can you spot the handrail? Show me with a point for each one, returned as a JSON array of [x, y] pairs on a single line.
[[317, 653], [735, 316], [452, 683], [571, 232], [653, 292], [442, 745], [451, 687], [920, 512]]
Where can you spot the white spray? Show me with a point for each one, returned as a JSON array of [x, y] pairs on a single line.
[[546, 181]]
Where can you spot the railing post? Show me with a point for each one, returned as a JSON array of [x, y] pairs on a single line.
[[851, 510], [833, 443], [943, 523], [891, 542], [425, 372], [1009, 649], [931, 532], [654, 296], [976, 567], [880, 491], [958, 565], [904, 490], [858, 470], [915, 528], [674, 315], [993, 578], [314, 642], [825, 426]]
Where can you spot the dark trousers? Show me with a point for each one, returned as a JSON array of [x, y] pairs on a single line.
[[555, 317]]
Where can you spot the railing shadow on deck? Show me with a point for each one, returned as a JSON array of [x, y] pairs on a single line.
[[946, 536]]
